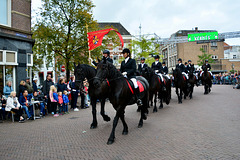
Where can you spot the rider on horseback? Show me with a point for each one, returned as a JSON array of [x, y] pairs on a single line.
[[157, 67], [190, 67], [182, 69], [128, 69], [106, 54], [142, 65], [208, 68]]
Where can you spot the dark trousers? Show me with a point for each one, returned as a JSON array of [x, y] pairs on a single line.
[[82, 99], [49, 106], [74, 99], [18, 112], [54, 107]]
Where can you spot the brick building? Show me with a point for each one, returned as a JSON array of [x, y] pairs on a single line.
[[115, 53], [191, 50], [15, 42]]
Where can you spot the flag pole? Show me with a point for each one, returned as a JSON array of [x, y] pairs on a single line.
[[89, 52]]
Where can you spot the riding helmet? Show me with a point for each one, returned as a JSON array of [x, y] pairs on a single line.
[[206, 60], [106, 52], [126, 50], [143, 59], [163, 62], [180, 59], [189, 60], [156, 57]]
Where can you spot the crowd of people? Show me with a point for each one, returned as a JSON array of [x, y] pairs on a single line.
[[52, 99]]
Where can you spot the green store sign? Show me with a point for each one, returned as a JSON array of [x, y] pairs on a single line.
[[202, 36]]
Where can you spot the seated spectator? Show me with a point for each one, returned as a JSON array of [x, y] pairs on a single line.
[[21, 88], [40, 105], [2, 107], [13, 105], [65, 102], [54, 100], [25, 101], [34, 84], [7, 89]]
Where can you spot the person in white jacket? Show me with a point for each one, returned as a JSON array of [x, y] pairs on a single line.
[[14, 105]]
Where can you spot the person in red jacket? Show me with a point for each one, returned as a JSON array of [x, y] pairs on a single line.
[[60, 102]]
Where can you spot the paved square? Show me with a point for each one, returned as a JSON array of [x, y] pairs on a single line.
[[206, 127]]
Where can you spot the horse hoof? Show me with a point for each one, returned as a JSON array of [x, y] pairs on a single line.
[[154, 110], [93, 127], [161, 106], [140, 125], [124, 132], [110, 142], [107, 119], [138, 110]]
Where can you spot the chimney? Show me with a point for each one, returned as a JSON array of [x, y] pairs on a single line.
[[196, 29]]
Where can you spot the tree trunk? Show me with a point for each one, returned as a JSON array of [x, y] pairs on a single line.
[[67, 69]]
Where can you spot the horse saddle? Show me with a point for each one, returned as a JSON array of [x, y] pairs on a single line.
[[131, 85]]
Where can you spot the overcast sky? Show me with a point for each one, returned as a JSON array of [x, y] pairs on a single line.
[[165, 17]]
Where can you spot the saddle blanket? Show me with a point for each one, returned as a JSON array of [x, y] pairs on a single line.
[[140, 86]]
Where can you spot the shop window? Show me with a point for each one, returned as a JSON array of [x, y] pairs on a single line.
[[29, 59], [9, 73], [1, 79]]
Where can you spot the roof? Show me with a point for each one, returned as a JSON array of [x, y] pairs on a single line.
[[116, 25], [185, 32]]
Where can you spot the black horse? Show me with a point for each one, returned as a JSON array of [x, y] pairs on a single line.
[[156, 88], [180, 82], [192, 80], [83, 71], [206, 80], [120, 94]]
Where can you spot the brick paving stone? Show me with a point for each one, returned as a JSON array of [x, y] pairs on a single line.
[[206, 127]]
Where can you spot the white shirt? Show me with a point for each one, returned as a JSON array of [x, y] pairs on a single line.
[[156, 62], [142, 64], [126, 59]]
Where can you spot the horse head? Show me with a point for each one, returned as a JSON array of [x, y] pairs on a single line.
[[105, 70], [79, 76], [146, 73]]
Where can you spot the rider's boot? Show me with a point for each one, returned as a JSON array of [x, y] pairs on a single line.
[[137, 96], [164, 87]]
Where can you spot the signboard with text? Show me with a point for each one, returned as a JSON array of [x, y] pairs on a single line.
[[202, 36]]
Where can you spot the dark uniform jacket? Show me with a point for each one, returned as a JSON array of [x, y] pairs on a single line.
[[157, 67], [190, 67], [108, 59], [181, 67], [129, 67], [140, 67], [165, 70], [208, 66]]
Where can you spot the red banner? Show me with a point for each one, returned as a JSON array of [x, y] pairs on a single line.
[[95, 38]]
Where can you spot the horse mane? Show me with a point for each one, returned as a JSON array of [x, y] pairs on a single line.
[[89, 71], [113, 72]]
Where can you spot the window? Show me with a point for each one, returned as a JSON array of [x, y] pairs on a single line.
[[213, 45], [204, 47], [29, 59], [5, 12], [1, 56], [214, 57], [8, 57], [234, 56]]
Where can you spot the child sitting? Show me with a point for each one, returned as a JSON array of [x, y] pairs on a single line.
[[65, 102]]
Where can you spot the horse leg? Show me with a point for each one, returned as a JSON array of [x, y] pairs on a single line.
[[206, 89], [125, 127], [161, 102], [94, 113], [155, 101], [181, 93], [151, 98], [112, 135], [179, 100], [102, 112], [191, 91], [144, 111]]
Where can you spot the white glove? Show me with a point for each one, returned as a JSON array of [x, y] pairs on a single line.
[[208, 69], [91, 60], [124, 73], [156, 71]]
